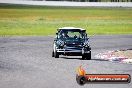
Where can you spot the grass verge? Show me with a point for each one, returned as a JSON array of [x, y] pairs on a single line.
[[44, 20]]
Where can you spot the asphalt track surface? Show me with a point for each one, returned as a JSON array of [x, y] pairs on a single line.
[[26, 62]]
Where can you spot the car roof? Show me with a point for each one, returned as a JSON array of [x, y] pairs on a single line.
[[70, 28]]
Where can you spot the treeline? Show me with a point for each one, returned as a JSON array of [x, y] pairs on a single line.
[[91, 0]]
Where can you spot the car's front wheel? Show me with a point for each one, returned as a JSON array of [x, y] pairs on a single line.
[[83, 57], [52, 53], [86, 56], [56, 54]]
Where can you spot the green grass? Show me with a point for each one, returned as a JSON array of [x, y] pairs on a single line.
[[40, 20]]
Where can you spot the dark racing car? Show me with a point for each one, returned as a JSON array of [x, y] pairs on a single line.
[[71, 41]]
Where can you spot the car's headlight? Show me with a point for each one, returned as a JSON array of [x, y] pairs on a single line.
[[60, 43], [86, 44]]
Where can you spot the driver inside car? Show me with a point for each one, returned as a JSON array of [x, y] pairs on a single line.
[[65, 34]]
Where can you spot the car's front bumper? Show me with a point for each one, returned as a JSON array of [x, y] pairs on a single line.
[[73, 51]]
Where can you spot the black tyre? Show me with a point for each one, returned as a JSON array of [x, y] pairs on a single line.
[[56, 55], [52, 53], [88, 56], [83, 57]]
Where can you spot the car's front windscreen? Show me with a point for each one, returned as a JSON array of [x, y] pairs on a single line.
[[72, 34]]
